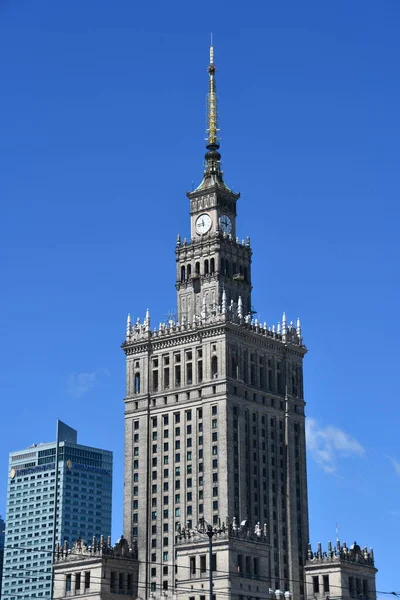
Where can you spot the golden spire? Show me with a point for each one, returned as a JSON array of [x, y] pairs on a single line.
[[212, 120]]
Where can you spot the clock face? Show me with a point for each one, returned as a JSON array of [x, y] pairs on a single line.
[[203, 223], [225, 223]]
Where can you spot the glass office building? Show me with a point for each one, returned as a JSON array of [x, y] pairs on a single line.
[[83, 489], [2, 537]]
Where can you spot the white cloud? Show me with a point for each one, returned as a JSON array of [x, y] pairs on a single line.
[[79, 384], [326, 444], [396, 464]]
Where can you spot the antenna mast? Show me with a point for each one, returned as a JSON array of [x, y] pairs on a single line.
[[212, 109]]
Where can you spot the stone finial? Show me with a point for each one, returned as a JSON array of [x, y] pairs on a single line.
[[203, 308], [298, 328], [284, 324], [178, 240], [128, 326], [278, 329], [147, 321], [309, 552], [240, 308], [248, 241], [223, 305]]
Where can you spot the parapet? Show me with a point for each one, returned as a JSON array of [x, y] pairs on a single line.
[[223, 531], [340, 552], [288, 333], [80, 550]]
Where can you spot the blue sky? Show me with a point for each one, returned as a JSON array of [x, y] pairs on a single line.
[[102, 119]]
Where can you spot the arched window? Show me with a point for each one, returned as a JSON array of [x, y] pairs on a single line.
[[214, 366], [183, 271], [206, 267], [137, 383], [222, 266], [227, 267], [234, 271], [245, 273], [197, 268], [212, 266], [189, 271]]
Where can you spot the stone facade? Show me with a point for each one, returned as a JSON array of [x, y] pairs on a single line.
[[98, 572], [341, 572], [240, 560], [214, 413]]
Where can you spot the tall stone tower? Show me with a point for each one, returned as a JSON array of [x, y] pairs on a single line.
[[214, 419]]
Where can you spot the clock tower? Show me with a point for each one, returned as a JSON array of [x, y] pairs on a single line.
[[214, 421], [214, 267]]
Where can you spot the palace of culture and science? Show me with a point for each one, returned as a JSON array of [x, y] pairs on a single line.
[[215, 425]]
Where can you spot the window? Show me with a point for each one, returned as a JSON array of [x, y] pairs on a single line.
[[177, 375], [77, 581], [129, 583], [87, 580], [240, 563], [326, 583], [68, 583], [203, 567], [137, 383], [214, 562], [315, 581], [214, 367], [192, 563]]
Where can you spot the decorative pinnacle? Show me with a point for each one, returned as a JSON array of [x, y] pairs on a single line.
[[212, 117], [128, 326]]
